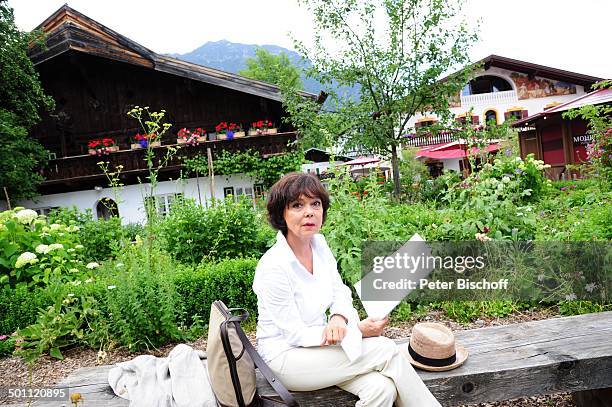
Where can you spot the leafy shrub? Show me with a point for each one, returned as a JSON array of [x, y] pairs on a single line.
[[354, 218], [19, 307], [227, 229], [141, 300], [70, 216], [101, 238], [34, 251], [7, 345], [507, 179], [229, 280]]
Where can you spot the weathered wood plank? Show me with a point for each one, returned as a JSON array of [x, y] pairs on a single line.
[[541, 357]]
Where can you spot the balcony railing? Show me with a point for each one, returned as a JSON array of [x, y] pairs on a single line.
[[85, 167], [423, 141], [508, 96]]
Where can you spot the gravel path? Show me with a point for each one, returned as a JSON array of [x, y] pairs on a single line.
[[48, 371]]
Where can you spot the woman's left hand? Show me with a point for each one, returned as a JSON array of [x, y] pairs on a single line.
[[335, 331]]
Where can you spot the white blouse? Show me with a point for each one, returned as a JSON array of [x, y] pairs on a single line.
[[292, 303]]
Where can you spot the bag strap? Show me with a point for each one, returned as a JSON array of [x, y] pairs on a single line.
[[265, 370], [231, 363]]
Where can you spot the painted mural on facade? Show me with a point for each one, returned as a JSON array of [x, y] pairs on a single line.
[[539, 87]]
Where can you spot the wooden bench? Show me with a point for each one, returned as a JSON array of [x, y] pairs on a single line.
[[571, 354]]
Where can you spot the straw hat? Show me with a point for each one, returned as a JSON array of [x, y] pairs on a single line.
[[432, 347]]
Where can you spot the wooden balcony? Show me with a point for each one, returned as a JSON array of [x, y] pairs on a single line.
[[82, 171]]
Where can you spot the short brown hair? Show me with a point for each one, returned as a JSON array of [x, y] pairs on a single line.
[[288, 189]]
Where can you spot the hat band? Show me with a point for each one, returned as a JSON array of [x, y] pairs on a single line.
[[431, 362]]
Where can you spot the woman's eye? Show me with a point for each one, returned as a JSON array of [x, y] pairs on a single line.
[[296, 205], [317, 203]]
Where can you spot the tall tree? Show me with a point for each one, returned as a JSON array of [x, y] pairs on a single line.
[[395, 52], [274, 69], [21, 100]]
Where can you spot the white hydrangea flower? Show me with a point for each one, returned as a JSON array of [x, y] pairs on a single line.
[[75, 271], [506, 179], [111, 287], [73, 228], [25, 258], [56, 246], [42, 249], [89, 280], [79, 247], [55, 226], [70, 250], [26, 216], [92, 265]]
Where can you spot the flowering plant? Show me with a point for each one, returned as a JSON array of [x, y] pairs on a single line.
[[262, 125], [228, 128], [140, 139], [101, 146], [188, 136]]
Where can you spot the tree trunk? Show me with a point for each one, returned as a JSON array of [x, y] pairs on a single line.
[[397, 187]]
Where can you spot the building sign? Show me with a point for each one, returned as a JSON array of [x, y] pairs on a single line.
[[583, 139]]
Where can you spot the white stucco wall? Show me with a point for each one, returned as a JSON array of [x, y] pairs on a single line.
[[131, 197]]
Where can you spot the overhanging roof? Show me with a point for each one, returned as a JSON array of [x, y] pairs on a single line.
[[536, 70], [597, 97], [70, 30]]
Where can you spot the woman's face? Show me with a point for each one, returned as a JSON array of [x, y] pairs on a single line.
[[304, 217]]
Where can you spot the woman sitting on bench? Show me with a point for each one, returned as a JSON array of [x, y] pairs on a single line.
[[296, 282]]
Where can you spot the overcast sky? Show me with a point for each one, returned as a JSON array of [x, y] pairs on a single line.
[[565, 34]]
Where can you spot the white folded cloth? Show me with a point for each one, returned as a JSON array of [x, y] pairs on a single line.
[[180, 380]]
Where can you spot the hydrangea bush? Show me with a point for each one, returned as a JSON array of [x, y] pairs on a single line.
[[32, 249], [508, 178]]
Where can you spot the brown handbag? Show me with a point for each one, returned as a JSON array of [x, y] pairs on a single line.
[[232, 361]]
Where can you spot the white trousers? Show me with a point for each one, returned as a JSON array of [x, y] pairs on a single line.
[[379, 377]]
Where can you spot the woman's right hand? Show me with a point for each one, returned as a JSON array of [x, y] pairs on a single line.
[[372, 326]]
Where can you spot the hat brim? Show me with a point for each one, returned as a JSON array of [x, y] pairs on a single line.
[[461, 354]]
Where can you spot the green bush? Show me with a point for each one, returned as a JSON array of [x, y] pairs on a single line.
[[141, 300], [33, 251], [230, 281], [19, 307], [227, 229], [101, 238]]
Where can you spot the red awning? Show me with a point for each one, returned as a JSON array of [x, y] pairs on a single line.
[[441, 152]]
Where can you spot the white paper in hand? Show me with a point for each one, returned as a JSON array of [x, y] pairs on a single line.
[[380, 309]]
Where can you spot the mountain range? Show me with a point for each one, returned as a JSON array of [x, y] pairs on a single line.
[[231, 57]]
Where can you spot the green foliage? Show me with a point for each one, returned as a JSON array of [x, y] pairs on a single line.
[[19, 307], [141, 300], [467, 311], [101, 238], [274, 69], [227, 228], [414, 175], [7, 346], [266, 170], [394, 52], [229, 280], [21, 100], [569, 308], [60, 325], [354, 218], [32, 251]]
